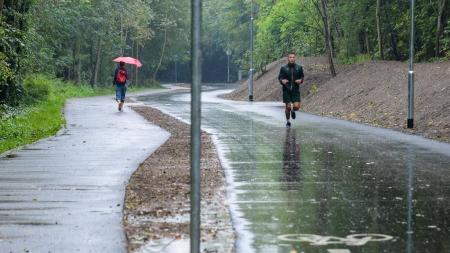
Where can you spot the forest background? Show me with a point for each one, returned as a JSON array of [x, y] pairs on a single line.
[[76, 40]]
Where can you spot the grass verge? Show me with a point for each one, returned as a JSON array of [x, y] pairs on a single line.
[[39, 119]]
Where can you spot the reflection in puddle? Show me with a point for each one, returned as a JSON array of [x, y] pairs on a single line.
[[291, 159]]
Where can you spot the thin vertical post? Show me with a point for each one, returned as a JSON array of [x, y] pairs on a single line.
[[176, 70], [410, 120], [250, 81], [228, 52], [196, 6], [228, 68]]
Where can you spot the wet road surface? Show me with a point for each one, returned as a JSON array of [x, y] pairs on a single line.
[[324, 185], [65, 193]]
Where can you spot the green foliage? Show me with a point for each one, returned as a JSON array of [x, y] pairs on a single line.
[[446, 41], [354, 59], [313, 88], [13, 27], [297, 24], [6, 73], [37, 88]]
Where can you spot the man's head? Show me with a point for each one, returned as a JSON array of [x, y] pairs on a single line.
[[291, 57], [121, 64]]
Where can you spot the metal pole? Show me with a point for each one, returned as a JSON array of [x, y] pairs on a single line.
[[176, 72], [195, 124], [410, 121], [250, 80], [228, 67], [228, 52]]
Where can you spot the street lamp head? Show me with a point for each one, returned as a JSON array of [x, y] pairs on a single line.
[[228, 52]]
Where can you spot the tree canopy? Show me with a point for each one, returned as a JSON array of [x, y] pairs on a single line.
[[77, 39]]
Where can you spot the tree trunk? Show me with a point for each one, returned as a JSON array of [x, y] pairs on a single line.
[[380, 42], [439, 28], [327, 33], [393, 34], [366, 39], [77, 59], [121, 35], [1, 8], [125, 42], [97, 61], [136, 68], [161, 57]]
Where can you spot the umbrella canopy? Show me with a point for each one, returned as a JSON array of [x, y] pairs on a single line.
[[129, 60]]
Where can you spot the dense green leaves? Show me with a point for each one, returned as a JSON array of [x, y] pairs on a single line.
[[77, 40], [298, 25]]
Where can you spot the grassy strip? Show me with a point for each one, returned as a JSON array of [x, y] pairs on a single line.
[[44, 118]]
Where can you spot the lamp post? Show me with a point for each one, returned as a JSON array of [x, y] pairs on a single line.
[[196, 9], [176, 69], [250, 79], [228, 52], [410, 120]]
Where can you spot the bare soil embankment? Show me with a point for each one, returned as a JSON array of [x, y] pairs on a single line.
[[267, 87], [157, 197], [373, 92]]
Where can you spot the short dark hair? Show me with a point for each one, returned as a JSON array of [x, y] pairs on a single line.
[[291, 52], [122, 63]]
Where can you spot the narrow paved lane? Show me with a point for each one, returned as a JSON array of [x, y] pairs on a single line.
[[65, 193], [325, 186]]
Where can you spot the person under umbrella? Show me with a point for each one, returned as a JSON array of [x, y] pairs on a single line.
[[120, 81]]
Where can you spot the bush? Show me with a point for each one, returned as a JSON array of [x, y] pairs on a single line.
[[354, 59], [37, 88], [313, 89]]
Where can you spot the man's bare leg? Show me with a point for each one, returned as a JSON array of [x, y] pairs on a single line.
[[297, 106], [288, 111]]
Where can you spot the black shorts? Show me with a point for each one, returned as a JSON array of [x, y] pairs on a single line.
[[291, 96]]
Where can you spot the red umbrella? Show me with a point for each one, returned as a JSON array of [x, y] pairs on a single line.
[[129, 60]]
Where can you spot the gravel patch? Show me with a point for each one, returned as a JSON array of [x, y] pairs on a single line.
[[157, 197]]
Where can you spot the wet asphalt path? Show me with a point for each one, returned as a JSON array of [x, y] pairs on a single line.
[[65, 193], [325, 186]]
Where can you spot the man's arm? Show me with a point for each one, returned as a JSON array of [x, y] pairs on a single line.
[[282, 77], [301, 76]]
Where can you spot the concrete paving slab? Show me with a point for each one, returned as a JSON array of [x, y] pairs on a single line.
[[65, 193]]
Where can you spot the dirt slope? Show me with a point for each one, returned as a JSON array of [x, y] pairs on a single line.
[[373, 92], [267, 87]]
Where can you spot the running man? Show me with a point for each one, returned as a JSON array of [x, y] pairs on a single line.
[[120, 81], [290, 77]]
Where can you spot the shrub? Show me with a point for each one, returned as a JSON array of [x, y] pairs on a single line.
[[37, 88], [313, 89]]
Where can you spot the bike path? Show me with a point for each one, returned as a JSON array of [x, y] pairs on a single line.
[[65, 193], [324, 185]]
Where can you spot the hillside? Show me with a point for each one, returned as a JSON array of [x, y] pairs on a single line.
[[372, 92], [267, 87]]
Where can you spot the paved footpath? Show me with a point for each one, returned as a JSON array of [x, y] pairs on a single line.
[[65, 193]]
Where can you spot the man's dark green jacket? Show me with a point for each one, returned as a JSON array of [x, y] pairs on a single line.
[[291, 73]]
